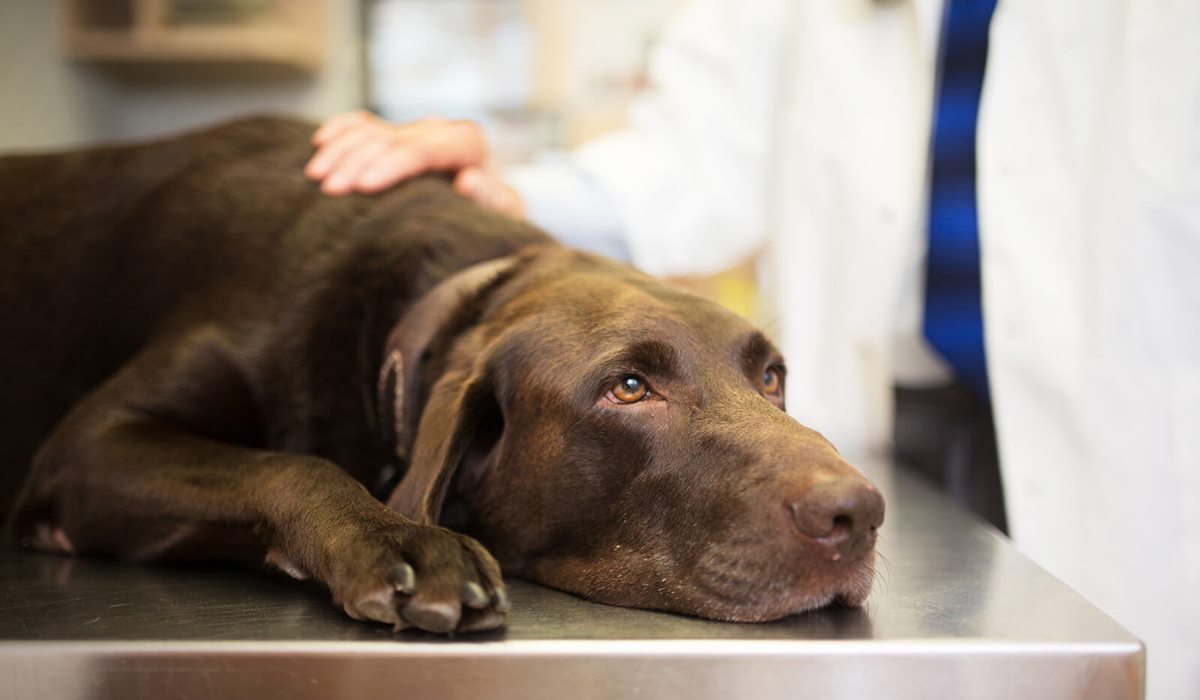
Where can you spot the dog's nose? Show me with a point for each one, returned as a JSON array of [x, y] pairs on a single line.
[[841, 515]]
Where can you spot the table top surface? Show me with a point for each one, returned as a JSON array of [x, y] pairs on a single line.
[[944, 577], [956, 611]]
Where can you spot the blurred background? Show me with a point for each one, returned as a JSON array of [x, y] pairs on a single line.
[[538, 74]]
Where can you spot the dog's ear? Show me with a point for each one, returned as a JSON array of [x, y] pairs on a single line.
[[433, 441], [457, 407]]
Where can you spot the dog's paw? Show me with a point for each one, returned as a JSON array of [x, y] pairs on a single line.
[[421, 576]]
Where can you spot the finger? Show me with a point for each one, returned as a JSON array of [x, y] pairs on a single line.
[[506, 201], [347, 174], [448, 145], [391, 166], [467, 182], [328, 156], [430, 145], [489, 191], [370, 155], [338, 124]]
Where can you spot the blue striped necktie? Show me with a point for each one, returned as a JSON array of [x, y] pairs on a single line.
[[953, 320]]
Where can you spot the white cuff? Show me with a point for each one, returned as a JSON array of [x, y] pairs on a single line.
[[567, 202]]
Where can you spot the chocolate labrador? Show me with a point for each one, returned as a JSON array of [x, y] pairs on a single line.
[[400, 396]]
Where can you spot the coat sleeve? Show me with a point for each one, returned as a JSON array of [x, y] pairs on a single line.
[[685, 181]]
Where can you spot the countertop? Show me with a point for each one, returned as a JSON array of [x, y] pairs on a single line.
[[957, 612]]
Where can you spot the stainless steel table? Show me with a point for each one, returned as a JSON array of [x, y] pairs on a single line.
[[957, 613]]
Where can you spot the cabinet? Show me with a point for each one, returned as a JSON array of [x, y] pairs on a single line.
[[277, 32]]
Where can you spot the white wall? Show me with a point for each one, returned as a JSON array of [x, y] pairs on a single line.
[[48, 100]]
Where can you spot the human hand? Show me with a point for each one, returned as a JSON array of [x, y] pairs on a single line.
[[360, 152]]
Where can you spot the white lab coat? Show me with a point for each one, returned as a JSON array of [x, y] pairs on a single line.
[[800, 128]]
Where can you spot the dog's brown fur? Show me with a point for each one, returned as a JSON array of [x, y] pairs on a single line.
[[206, 358]]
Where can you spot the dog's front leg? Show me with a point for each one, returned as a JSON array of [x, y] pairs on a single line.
[[127, 482]]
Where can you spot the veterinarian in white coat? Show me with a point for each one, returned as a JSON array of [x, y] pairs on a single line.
[[802, 128]]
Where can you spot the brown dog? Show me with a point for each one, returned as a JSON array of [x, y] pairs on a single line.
[[205, 358]]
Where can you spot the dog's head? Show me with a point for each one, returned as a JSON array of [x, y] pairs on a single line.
[[606, 434]]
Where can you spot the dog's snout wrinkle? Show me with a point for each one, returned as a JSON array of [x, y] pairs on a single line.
[[842, 515]]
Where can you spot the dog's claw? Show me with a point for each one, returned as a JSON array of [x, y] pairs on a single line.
[[501, 600], [473, 595], [404, 578]]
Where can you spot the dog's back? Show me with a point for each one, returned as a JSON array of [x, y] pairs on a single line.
[[100, 250]]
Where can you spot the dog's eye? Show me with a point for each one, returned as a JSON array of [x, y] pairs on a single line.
[[629, 389], [772, 381]]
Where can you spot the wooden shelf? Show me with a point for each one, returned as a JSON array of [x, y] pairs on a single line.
[[277, 32]]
